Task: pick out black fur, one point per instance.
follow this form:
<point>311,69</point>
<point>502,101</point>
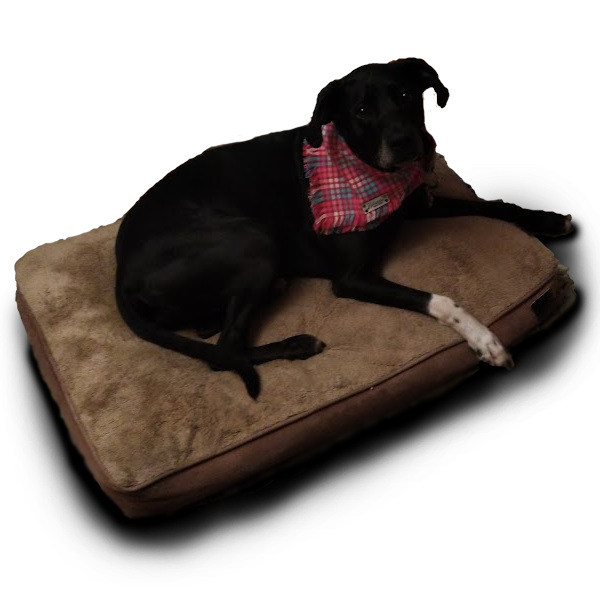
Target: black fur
<point>205,246</point>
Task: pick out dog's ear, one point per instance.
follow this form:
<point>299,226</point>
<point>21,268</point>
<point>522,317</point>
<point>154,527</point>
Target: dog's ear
<point>323,113</point>
<point>420,72</point>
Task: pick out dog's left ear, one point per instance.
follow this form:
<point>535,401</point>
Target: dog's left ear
<point>419,71</point>
<point>323,113</point>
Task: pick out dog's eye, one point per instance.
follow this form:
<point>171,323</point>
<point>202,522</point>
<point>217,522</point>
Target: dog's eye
<point>361,112</point>
<point>405,96</point>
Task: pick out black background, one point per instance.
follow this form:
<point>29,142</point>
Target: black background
<point>499,455</point>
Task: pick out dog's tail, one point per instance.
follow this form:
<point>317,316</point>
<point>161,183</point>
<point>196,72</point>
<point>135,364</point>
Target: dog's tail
<point>211,353</point>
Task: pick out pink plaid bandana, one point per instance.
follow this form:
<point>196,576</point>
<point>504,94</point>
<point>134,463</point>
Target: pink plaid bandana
<point>345,194</point>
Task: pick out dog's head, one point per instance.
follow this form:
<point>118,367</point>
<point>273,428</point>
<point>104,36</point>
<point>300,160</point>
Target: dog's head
<point>378,109</point>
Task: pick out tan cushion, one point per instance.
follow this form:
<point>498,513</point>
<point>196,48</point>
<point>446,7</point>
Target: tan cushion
<point>159,430</point>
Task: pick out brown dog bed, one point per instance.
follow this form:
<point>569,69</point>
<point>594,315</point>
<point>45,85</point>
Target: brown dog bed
<point>160,431</point>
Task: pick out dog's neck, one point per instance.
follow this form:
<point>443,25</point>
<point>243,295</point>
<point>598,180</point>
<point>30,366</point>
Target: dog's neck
<point>346,194</point>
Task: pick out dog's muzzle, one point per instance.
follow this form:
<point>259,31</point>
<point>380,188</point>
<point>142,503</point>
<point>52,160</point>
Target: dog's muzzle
<point>398,149</point>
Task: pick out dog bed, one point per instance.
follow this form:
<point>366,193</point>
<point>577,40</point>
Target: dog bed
<point>160,431</point>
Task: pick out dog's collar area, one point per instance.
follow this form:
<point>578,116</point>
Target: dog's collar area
<point>346,194</point>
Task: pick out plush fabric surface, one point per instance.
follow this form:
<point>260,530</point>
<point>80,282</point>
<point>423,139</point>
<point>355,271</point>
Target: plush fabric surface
<point>142,413</point>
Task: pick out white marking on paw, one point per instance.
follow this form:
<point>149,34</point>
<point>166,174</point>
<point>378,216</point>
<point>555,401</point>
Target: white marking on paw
<point>482,341</point>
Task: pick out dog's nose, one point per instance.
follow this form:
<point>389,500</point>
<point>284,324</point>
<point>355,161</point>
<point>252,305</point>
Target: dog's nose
<point>401,142</point>
<point>403,147</point>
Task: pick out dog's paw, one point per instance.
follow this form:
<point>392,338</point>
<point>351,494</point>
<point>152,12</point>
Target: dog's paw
<point>480,339</point>
<point>488,348</point>
<point>551,224</point>
<point>301,347</point>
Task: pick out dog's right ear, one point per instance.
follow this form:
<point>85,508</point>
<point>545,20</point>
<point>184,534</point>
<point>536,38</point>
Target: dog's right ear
<point>323,113</point>
<point>420,71</point>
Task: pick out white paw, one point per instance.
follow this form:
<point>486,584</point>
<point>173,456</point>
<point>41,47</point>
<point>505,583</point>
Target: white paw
<point>484,343</point>
<point>488,348</point>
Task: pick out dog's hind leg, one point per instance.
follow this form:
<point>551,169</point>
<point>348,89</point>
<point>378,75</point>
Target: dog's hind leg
<point>253,287</point>
<point>297,347</point>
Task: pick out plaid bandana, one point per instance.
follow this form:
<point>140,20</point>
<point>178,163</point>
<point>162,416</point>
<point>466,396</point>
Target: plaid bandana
<point>345,194</point>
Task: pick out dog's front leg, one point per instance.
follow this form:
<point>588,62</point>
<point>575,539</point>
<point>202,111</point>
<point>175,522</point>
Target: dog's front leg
<point>481,340</point>
<point>536,222</point>
<point>376,289</point>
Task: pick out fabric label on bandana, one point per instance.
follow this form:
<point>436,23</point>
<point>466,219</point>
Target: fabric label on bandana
<point>346,194</point>
<point>375,203</point>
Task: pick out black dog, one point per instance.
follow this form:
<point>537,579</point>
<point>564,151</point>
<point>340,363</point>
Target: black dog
<point>206,245</point>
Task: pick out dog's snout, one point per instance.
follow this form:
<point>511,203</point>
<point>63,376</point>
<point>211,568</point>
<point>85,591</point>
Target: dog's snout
<point>403,145</point>
<point>401,141</point>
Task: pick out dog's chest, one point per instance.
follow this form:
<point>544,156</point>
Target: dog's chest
<point>347,195</point>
